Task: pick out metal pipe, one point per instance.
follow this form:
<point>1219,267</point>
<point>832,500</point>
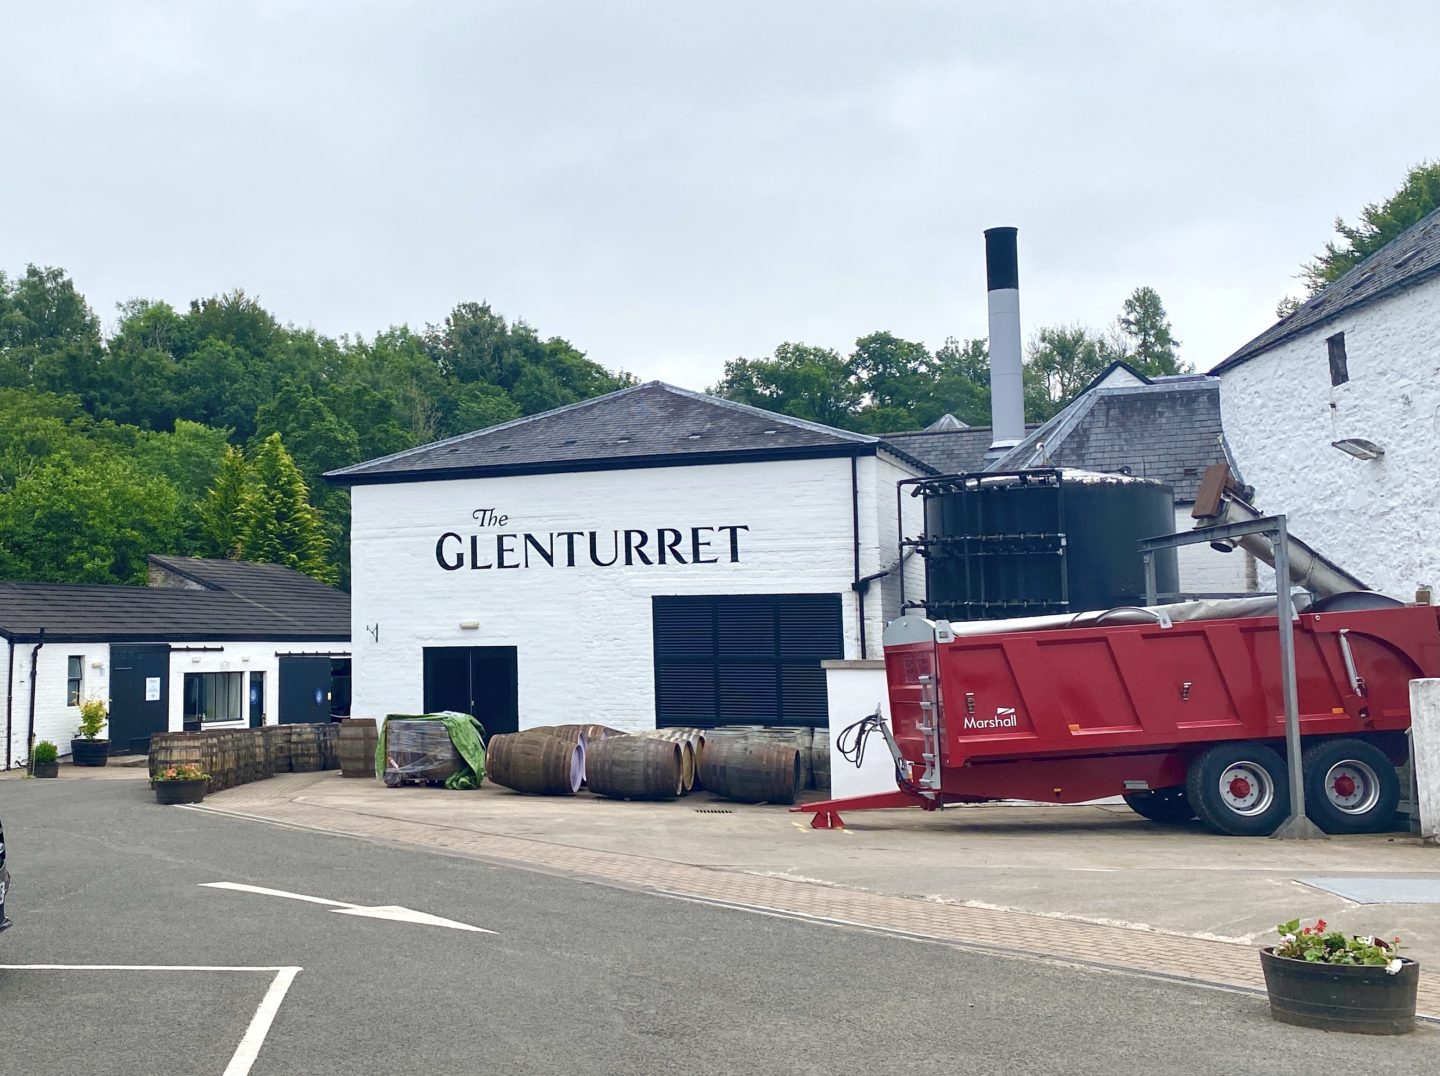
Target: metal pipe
<point>1007,371</point>
<point>34,689</point>
<point>1307,568</point>
<point>855,532</point>
<point>1297,826</point>
<point>9,701</point>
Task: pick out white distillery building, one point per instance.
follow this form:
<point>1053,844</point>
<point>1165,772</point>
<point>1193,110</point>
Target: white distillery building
<point>208,644</point>
<point>650,557</point>
<point>1333,415</point>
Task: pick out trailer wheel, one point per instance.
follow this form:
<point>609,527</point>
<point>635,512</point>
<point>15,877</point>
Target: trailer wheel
<point>1239,788</point>
<point>1350,787</point>
<point>1168,805</point>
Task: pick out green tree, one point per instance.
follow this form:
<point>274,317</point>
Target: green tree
<point>222,511</point>
<point>1061,360</point>
<point>49,337</point>
<point>812,383</point>
<point>93,521</point>
<point>1151,348</point>
<point>1417,198</point>
<point>278,525</point>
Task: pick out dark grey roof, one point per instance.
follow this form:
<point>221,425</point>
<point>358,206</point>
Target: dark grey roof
<point>649,425</point>
<point>1168,431</point>
<point>239,601</point>
<point>947,451</point>
<point>1409,258</point>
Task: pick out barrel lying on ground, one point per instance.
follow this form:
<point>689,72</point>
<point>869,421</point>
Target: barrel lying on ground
<point>751,771</point>
<point>536,761</point>
<point>636,768</point>
<point>693,741</point>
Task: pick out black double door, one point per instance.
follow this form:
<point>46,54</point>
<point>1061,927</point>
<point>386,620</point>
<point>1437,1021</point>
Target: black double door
<point>304,689</point>
<point>139,696</point>
<point>478,680</point>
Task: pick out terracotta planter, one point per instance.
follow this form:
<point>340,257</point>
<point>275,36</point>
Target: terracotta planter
<point>46,769</point>
<point>1365,999</point>
<point>170,793</point>
<point>89,752</point>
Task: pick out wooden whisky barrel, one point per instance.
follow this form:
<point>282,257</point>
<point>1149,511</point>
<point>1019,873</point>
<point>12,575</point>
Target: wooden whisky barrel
<point>751,771</point>
<point>356,747</point>
<point>277,746</point>
<point>535,761</point>
<point>637,768</point>
<point>304,748</point>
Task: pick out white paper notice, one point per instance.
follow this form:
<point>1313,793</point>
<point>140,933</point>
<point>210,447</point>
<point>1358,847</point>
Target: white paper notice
<point>152,689</point>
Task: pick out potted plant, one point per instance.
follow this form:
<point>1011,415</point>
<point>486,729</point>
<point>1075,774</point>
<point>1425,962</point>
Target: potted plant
<point>86,749</point>
<point>45,760</point>
<point>179,784</point>
<point>1323,978</point>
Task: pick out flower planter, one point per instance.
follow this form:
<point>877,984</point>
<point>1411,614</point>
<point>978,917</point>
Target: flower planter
<point>1365,999</point>
<point>46,769</point>
<point>89,752</point>
<point>173,792</point>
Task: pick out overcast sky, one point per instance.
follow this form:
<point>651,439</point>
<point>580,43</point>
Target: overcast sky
<point>670,185</point>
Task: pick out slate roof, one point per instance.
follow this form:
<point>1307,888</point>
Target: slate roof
<point>238,601</point>
<point>649,425</point>
<point>1409,258</point>
<point>946,451</point>
<point>1168,430</point>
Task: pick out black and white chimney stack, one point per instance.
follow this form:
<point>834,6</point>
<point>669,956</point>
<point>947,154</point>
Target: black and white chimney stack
<point>1007,389</point>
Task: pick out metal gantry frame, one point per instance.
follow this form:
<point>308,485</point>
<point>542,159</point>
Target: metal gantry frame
<point>1298,826</point>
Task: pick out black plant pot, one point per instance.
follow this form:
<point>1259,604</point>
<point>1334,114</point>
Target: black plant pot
<point>89,752</point>
<point>1336,997</point>
<point>46,769</point>
<point>170,793</point>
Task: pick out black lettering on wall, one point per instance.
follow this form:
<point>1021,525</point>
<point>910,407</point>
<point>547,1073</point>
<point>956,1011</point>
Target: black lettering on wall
<point>548,552</point>
<point>669,539</point>
<point>635,543</point>
<point>440,553</point>
<point>595,555</point>
<point>502,550</point>
<point>696,545</point>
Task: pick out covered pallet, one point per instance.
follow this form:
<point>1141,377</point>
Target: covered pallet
<point>446,748</point>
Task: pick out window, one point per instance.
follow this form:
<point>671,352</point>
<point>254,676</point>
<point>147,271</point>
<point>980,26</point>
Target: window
<point>1339,370</point>
<point>744,659</point>
<point>74,679</point>
<point>211,697</point>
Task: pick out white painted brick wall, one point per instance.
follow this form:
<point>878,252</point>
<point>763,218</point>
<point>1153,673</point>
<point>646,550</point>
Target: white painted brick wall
<point>1207,571</point>
<point>584,634</point>
<point>1280,412</point>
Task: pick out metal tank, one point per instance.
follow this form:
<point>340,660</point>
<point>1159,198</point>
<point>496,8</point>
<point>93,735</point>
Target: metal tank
<point>1048,540</point>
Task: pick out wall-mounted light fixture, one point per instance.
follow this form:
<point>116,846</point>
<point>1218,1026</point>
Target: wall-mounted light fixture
<point>470,625</point>
<point>1360,448</point>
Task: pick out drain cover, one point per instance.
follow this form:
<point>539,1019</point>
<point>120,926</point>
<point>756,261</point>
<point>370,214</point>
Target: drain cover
<point>1380,890</point>
<point>713,810</point>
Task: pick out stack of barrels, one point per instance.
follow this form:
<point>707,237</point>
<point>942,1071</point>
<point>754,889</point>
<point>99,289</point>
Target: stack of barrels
<point>238,756</point>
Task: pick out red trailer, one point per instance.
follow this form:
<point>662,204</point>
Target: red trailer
<point>1181,717</point>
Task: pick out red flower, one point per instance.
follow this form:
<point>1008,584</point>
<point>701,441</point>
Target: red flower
<point>1319,926</point>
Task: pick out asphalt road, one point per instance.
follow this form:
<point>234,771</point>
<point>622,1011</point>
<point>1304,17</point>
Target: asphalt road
<point>578,977</point>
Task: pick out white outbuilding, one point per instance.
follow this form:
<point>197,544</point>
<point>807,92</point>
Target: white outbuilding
<point>1333,415</point>
<point>208,644</point>
<point>653,557</point>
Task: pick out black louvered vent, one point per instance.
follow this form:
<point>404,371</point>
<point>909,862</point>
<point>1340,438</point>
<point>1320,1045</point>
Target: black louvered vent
<point>744,659</point>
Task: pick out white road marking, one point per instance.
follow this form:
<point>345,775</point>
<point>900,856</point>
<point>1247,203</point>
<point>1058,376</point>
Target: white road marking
<point>384,911</point>
<point>249,1048</point>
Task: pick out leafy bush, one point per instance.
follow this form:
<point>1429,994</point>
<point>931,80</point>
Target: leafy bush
<point>1318,945</point>
<point>45,753</point>
<point>93,715</point>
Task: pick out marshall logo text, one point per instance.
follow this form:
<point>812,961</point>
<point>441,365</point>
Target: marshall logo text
<point>500,549</point>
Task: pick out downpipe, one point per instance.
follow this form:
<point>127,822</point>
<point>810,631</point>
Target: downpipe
<point>34,690</point>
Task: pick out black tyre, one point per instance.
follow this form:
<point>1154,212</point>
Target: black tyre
<point>1168,805</point>
<point>1239,788</point>
<point>1350,787</point>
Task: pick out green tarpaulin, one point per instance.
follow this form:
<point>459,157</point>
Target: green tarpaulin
<point>466,733</point>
